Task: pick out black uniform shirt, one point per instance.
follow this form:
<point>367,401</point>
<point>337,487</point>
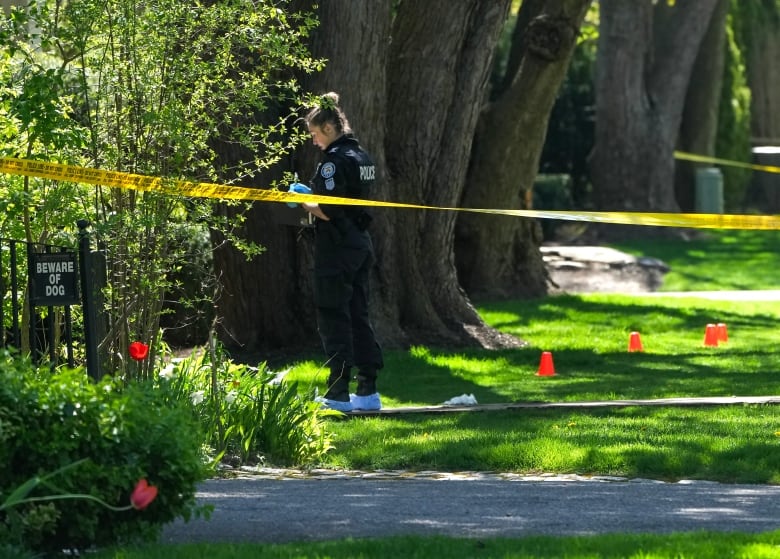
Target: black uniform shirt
<point>346,171</point>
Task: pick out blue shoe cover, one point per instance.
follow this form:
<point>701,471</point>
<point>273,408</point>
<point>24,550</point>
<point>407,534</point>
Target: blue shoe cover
<point>334,404</point>
<point>367,403</point>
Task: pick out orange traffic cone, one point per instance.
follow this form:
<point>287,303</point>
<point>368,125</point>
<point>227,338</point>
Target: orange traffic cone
<point>711,336</point>
<point>723,333</point>
<point>634,342</point>
<point>546,368</point>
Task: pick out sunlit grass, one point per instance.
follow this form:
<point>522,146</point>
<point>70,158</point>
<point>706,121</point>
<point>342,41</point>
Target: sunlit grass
<point>715,260</point>
<point>588,337</point>
<point>730,444</point>
<point>698,545</point>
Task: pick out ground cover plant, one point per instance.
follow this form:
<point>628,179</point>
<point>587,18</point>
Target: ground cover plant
<point>72,450</point>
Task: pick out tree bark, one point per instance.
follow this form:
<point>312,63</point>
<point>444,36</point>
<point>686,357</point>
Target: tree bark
<point>764,80</point>
<point>262,303</point>
<point>414,103</point>
<point>499,256</point>
<point>643,72</point>
<point>699,126</point>
<point>357,70</point>
<point>266,303</point>
<point>437,81</point>
<point>641,81</point>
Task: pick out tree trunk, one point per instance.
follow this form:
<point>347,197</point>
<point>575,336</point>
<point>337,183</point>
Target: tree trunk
<point>764,80</point>
<point>699,127</point>
<point>499,256</point>
<point>266,303</point>
<point>356,69</point>
<point>414,104</point>
<point>437,81</point>
<point>262,302</point>
<point>643,72</point>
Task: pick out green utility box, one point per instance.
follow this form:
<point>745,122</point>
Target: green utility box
<point>709,190</point>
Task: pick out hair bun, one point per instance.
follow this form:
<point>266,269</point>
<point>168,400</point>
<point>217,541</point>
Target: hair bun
<point>331,98</point>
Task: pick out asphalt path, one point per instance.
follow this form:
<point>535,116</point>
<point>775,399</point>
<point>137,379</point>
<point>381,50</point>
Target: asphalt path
<point>285,510</point>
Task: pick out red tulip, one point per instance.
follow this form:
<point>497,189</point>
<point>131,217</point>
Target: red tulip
<point>138,351</point>
<point>143,494</point>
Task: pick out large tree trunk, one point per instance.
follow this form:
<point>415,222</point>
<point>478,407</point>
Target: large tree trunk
<point>763,73</point>
<point>699,127</point>
<point>262,302</point>
<point>356,70</point>
<point>425,90</point>
<point>499,256</point>
<point>266,303</point>
<point>764,80</point>
<point>643,72</point>
<point>437,79</point>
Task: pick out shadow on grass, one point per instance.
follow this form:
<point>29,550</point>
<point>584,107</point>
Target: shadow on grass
<point>668,443</point>
<point>592,362</point>
<point>718,260</point>
<point>582,375</point>
<point>626,314</point>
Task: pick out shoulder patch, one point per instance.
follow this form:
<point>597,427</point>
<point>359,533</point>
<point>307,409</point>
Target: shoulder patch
<point>327,170</point>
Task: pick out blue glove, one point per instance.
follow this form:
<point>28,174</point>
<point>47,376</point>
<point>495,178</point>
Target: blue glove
<point>300,189</point>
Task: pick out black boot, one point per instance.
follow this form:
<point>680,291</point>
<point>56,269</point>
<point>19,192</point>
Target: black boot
<point>338,384</point>
<point>366,382</point>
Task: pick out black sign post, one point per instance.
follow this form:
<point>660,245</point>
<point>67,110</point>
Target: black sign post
<point>90,295</point>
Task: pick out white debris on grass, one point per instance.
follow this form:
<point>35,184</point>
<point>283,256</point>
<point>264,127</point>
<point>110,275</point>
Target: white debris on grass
<point>462,400</point>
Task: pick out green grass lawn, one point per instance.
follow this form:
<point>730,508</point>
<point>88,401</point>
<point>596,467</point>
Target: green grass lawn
<point>588,338</point>
<point>703,545</point>
<point>715,260</point>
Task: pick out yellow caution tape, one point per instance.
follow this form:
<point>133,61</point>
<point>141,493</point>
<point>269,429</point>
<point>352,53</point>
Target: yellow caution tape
<point>71,173</point>
<point>728,162</point>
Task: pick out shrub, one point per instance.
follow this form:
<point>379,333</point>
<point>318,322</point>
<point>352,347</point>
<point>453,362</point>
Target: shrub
<point>116,434</point>
<point>249,414</point>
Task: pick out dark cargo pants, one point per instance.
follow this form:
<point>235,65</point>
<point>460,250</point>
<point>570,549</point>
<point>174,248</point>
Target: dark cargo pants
<point>343,260</point>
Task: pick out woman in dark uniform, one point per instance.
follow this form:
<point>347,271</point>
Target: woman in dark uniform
<point>343,256</point>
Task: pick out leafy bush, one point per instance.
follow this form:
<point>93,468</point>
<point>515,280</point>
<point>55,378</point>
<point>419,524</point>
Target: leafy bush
<point>107,84</point>
<point>116,434</point>
<point>249,414</point>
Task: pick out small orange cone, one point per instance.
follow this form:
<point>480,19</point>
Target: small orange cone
<point>711,336</point>
<point>546,368</point>
<point>634,342</point>
<point>723,333</point>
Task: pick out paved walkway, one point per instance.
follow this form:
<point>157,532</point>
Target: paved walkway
<point>267,505</point>
<point>271,507</point>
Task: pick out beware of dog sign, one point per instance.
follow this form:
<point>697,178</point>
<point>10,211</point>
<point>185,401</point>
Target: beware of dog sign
<point>54,279</point>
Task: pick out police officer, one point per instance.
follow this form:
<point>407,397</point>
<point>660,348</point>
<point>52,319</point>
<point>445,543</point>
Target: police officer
<point>343,256</point>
